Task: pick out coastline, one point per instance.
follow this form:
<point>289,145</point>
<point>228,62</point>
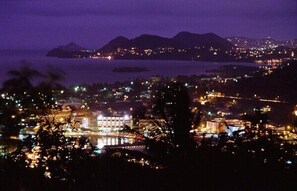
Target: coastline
<point>90,70</point>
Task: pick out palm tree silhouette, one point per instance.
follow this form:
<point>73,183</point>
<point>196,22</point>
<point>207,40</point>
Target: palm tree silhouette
<point>21,79</point>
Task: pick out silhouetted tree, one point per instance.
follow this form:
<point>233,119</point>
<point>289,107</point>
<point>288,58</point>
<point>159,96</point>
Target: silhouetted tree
<point>173,105</point>
<point>258,119</point>
<point>138,113</point>
<point>51,81</point>
<point>50,152</point>
<point>20,100</point>
<point>17,99</point>
<point>21,80</point>
<point>9,117</point>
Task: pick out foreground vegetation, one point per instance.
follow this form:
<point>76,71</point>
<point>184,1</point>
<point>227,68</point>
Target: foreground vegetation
<point>213,165</point>
<point>255,160</point>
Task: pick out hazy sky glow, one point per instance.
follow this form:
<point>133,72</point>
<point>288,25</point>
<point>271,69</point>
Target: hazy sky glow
<point>47,24</point>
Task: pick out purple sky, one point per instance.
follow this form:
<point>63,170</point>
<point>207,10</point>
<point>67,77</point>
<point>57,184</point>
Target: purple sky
<point>47,24</point>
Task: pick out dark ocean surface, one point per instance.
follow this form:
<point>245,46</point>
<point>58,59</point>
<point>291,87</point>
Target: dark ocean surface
<point>78,71</point>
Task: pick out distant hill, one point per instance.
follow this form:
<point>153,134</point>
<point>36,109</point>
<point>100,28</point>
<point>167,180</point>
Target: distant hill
<point>71,47</point>
<point>152,41</point>
<point>183,46</point>
<point>280,84</point>
<point>190,40</point>
<point>120,41</point>
<point>68,51</point>
<point>181,40</point>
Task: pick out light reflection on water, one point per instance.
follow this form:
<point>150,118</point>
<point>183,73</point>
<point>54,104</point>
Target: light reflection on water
<point>99,142</point>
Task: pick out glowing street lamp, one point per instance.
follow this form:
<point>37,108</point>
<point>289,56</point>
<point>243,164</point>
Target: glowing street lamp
<point>295,111</point>
<point>295,118</point>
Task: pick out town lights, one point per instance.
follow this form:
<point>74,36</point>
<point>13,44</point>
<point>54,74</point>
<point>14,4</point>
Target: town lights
<point>126,117</point>
<point>295,111</point>
<point>295,118</point>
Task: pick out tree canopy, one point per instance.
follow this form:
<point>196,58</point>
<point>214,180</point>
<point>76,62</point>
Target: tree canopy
<point>22,99</point>
<point>173,105</point>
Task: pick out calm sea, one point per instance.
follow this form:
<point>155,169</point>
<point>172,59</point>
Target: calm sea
<point>80,71</point>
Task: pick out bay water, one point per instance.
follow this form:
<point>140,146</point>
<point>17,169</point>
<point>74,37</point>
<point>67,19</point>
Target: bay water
<point>89,70</point>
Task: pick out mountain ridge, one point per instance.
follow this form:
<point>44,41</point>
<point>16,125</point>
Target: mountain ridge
<point>67,51</point>
<point>184,46</point>
<point>70,47</point>
<point>182,39</point>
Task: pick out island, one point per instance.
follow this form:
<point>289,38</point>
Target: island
<point>130,69</point>
<point>70,50</point>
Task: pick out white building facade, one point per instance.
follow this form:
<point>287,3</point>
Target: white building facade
<point>113,122</point>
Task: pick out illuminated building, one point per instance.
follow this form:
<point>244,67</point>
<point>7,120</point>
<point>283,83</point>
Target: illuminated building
<point>113,123</point>
<point>228,126</point>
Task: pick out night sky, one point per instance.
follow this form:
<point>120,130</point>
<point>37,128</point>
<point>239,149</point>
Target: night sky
<point>47,24</point>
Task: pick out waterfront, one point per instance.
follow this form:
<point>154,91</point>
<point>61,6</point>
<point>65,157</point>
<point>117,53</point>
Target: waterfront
<point>100,141</point>
<point>88,71</point>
